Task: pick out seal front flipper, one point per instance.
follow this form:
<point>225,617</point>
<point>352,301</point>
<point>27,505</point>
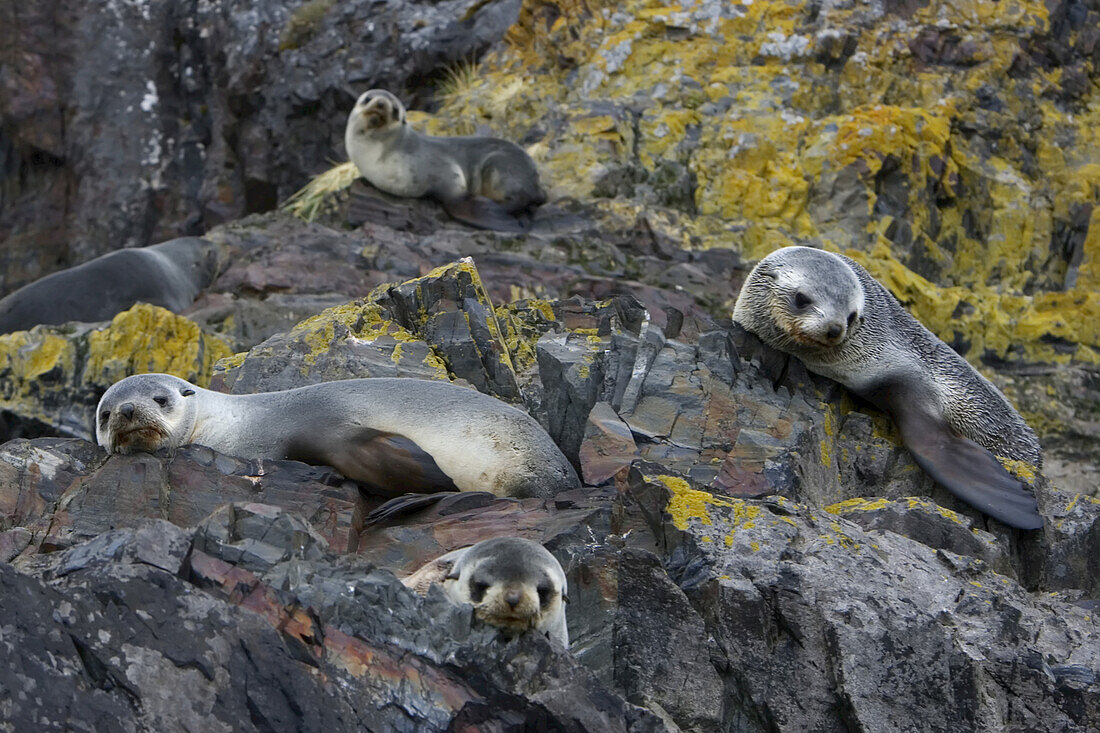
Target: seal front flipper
<point>434,572</point>
<point>966,469</point>
<point>384,463</point>
<point>483,213</point>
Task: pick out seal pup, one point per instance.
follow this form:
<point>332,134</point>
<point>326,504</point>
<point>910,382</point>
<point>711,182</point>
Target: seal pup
<point>512,583</point>
<point>171,275</point>
<point>392,436</point>
<point>829,312</point>
<point>485,182</point>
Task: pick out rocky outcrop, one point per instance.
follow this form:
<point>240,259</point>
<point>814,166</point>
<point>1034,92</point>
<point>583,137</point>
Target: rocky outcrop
<point>753,556</point>
<point>158,628</point>
<point>215,109</point>
<point>753,549</point>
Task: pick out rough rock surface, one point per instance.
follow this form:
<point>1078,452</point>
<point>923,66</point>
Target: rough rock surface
<point>693,605</point>
<point>216,109</point>
<point>753,550</point>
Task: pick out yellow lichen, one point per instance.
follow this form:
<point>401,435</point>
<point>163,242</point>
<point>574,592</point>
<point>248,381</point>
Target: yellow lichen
<point>686,503</point>
<point>151,339</point>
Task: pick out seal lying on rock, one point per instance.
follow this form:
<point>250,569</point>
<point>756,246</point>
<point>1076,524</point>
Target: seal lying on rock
<point>512,583</point>
<point>390,435</point>
<point>171,275</point>
<point>830,313</point>
<point>481,181</point>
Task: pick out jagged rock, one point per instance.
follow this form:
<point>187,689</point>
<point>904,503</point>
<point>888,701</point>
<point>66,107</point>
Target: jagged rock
<point>156,633</point>
<point>817,629</point>
<point>1067,554</point>
<point>924,521</point>
<point>67,491</point>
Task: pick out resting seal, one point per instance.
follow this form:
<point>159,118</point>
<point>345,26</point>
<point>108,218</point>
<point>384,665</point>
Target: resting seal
<point>830,313</point>
<point>170,275</point>
<point>512,583</point>
<point>390,435</point>
<point>482,181</point>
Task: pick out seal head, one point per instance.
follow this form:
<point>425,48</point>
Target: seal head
<point>513,584</point>
<point>145,413</point>
<point>377,111</point>
<point>802,303</point>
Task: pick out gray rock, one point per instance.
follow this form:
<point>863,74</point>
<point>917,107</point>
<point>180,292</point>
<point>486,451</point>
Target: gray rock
<point>217,110</point>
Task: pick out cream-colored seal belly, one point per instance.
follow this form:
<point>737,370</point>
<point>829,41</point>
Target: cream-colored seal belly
<point>512,583</point>
<point>840,322</point>
<point>391,435</point>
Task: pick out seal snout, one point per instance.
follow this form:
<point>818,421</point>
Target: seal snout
<point>127,410</point>
<point>512,597</point>
<point>377,111</point>
<point>835,333</point>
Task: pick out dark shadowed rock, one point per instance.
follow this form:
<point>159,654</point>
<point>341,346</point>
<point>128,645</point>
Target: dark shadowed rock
<point>216,110</point>
<point>151,632</point>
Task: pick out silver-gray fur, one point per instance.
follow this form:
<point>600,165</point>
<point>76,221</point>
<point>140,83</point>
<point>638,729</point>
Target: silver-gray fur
<point>171,275</point>
<point>512,583</point>
<point>393,435</point>
<point>482,181</point>
<point>840,322</point>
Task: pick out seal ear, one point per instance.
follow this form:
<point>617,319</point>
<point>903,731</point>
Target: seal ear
<point>186,391</point>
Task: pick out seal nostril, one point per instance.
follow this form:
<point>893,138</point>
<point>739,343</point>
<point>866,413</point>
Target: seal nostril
<point>127,410</point>
<point>833,332</point>
<point>513,598</point>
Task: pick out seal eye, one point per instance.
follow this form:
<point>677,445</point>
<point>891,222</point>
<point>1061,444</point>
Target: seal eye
<point>544,595</point>
<point>104,415</point>
<point>801,300</point>
<point>477,590</point>
<point>187,392</point>
<point>161,400</point>
<point>851,318</point>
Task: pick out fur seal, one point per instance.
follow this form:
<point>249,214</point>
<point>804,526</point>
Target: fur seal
<point>390,435</point>
<point>485,182</point>
<point>829,312</point>
<point>171,275</point>
<point>512,583</point>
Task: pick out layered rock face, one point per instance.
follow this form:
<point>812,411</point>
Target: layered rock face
<point>752,549</point>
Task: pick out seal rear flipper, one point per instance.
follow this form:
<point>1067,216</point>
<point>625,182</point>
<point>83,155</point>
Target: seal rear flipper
<point>381,462</point>
<point>967,470</point>
<point>483,213</point>
<point>446,502</point>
